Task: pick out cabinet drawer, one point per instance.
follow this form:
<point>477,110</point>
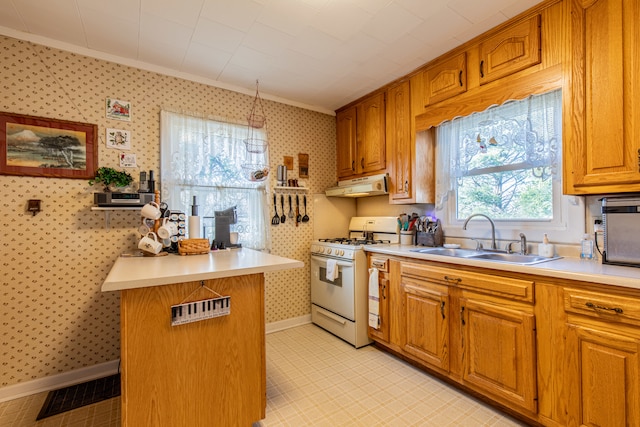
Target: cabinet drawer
<point>521,290</point>
<point>603,306</point>
<point>382,264</point>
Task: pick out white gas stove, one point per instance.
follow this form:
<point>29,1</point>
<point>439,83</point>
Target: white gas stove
<point>339,277</point>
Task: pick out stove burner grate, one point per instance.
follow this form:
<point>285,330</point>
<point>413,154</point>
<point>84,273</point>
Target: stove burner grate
<point>353,241</point>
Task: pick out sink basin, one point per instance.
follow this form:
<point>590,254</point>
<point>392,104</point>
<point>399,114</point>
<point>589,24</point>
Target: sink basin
<point>486,255</point>
<point>460,253</point>
<point>513,258</point>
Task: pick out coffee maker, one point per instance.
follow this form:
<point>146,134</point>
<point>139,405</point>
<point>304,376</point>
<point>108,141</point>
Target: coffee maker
<point>222,222</point>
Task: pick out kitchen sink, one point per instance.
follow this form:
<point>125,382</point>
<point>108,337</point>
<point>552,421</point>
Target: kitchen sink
<point>513,258</point>
<point>510,258</point>
<point>460,253</point>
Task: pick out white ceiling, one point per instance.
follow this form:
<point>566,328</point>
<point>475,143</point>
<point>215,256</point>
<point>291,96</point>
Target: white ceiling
<point>319,54</point>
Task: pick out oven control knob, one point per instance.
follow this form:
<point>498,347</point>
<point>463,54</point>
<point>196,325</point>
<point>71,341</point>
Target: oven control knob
<point>328,251</point>
<point>320,250</point>
<point>341,252</point>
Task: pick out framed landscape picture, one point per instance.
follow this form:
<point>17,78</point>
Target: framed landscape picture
<point>38,146</point>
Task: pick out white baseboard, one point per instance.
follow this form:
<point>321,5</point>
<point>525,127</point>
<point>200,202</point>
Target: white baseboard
<point>55,382</point>
<point>89,373</point>
<point>287,323</point>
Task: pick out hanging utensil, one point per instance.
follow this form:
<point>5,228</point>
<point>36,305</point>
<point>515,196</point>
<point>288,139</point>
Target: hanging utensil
<point>283,218</point>
<point>305,218</point>
<point>298,216</point>
<point>276,219</point>
<point>290,208</point>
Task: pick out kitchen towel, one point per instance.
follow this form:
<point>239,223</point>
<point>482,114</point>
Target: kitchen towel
<point>332,270</point>
<point>374,299</point>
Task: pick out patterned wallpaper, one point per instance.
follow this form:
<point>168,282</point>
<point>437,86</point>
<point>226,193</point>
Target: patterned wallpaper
<point>53,316</point>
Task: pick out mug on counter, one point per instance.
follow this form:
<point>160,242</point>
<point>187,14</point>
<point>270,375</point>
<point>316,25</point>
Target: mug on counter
<point>233,237</point>
<point>167,229</point>
<point>151,210</point>
<point>150,245</point>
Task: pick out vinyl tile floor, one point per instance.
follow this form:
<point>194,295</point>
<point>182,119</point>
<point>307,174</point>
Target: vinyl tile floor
<point>315,379</point>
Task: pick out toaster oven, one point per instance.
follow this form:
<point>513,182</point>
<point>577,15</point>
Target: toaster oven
<point>621,221</point>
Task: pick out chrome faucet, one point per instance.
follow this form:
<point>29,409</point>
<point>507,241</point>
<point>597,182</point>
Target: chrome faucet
<point>493,228</point>
<point>523,244</point>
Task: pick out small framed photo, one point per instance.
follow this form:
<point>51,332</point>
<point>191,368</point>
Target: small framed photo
<point>118,109</point>
<point>303,165</point>
<point>128,160</point>
<point>119,139</point>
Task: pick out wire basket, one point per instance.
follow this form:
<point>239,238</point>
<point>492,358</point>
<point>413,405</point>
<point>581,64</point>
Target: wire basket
<point>255,172</point>
<point>256,121</point>
<point>256,145</point>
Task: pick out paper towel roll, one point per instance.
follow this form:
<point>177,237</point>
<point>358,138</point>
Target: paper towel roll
<point>194,227</point>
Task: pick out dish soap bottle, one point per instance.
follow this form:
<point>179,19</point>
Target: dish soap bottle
<point>586,247</point>
<point>545,248</point>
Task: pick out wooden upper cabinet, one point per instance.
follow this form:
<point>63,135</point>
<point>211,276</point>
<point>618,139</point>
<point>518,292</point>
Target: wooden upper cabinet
<point>602,129</point>
<point>371,150</point>
<point>360,138</point>
<point>513,49</point>
<point>445,79</point>
<point>346,142</point>
<point>399,142</point>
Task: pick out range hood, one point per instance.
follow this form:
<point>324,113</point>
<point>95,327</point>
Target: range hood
<point>373,185</point>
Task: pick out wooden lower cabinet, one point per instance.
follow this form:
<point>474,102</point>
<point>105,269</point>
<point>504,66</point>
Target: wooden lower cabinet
<point>210,372</point>
<point>603,367</point>
<point>425,314</point>
<point>382,331</point>
<point>499,354</point>
<point>555,352</point>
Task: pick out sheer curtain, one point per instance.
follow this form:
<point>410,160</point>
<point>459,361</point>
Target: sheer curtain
<point>203,157</point>
<point>527,131</point>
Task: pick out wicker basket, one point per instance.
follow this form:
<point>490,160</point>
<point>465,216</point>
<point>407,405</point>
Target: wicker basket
<point>193,246</point>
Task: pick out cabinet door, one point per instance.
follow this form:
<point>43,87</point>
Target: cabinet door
<point>499,351</point>
<point>346,142</point>
<point>382,331</point>
<point>604,140</point>
<point>426,323</point>
<point>446,79</point>
<point>371,150</point>
<point>515,48</point>
<point>399,141</point>
<point>603,369</point>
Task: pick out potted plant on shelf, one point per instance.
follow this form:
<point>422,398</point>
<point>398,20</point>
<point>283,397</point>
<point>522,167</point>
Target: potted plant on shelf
<point>110,177</point>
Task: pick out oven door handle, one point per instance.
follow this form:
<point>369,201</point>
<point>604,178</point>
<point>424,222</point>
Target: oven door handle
<point>323,260</point>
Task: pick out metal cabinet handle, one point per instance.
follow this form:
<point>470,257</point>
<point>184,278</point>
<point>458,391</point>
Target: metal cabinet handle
<point>460,78</point>
<point>353,165</point>
<point>362,163</point>
<point>601,307</point>
<point>462,316</point>
<point>384,287</point>
<point>377,264</point>
<point>482,69</point>
<point>638,159</point>
<point>442,309</point>
<point>406,186</point>
<point>454,280</point>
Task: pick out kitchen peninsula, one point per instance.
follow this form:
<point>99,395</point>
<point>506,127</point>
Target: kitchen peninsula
<point>206,372</point>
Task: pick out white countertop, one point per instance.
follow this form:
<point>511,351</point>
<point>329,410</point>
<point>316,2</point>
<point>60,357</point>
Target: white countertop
<point>564,268</point>
<point>140,272</point>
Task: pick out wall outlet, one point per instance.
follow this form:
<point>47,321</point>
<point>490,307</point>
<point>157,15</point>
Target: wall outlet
<point>597,225</point>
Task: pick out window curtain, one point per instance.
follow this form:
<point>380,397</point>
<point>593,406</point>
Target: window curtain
<point>527,131</point>
<point>204,157</point>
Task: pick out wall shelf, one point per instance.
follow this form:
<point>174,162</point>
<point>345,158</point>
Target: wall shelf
<point>107,212</point>
<point>280,188</point>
